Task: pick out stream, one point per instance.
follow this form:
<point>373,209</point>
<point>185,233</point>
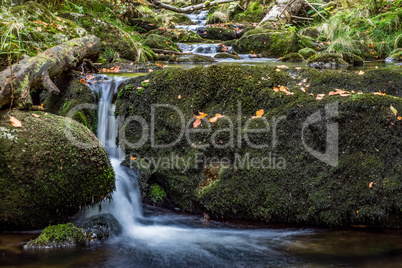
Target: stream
<point>154,237</point>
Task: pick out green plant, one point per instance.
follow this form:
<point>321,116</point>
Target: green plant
<point>140,91</point>
<point>156,193</point>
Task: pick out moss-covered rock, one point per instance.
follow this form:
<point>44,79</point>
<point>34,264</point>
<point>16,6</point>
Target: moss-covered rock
<point>226,56</point>
<point>307,52</point>
<point>222,33</point>
<point>326,60</point>
<point>313,32</point>
<point>292,57</point>
<point>54,236</point>
<point>100,227</point>
<point>352,59</point>
<point>160,42</point>
<point>177,35</point>
<point>272,44</point>
<point>49,168</point>
<point>226,177</point>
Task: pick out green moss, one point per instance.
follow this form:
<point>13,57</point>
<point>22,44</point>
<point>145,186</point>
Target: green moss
<point>160,42</point>
<point>307,190</point>
<point>307,52</point>
<point>156,193</point>
<point>292,57</point>
<point>59,236</point>
<point>271,44</point>
<point>44,176</point>
<point>395,55</point>
<point>191,58</point>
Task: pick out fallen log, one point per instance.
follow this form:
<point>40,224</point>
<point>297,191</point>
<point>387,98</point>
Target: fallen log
<point>282,13</point>
<point>207,4</point>
<point>17,81</point>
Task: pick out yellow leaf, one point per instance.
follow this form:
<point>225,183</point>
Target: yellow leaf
<point>146,81</point>
<point>276,89</point>
<point>278,70</point>
<point>39,29</point>
<point>393,110</point>
<point>15,122</point>
<point>36,115</point>
<point>201,116</point>
<point>360,73</point>
<point>371,184</point>
<point>179,97</point>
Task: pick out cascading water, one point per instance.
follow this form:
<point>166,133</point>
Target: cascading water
<point>199,19</point>
<point>174,240</point>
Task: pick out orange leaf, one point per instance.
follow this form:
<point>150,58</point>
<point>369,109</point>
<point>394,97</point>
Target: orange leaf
<point>259,113</point>
<point>15,122</point>
<point>371,184</point>
<point>42,105</point>
<point>276,89</point>
<point>399,117</point>
<point>196,123</point>
<point>379,93</point>
<point>179,97</point>
<point>35,115</point>
<point>213,119</point>
<point>133,158</point>
<point>83,81</point>
<point>201,116</point>
<point>303,89</point>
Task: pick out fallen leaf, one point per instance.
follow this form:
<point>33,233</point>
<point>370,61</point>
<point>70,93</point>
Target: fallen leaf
<point>133,158</point>
<point>298,68</point>
<point>15,122</point>
<point>299,84</point>
<point>278,70</point>
<point>42,105</point>
<point>379,93</point>
<point>399,117</point>
<point>201,116</point>
<point>197,122</point>
<point>57,18</point>
<point>371,184</point>
<point>303,89</point>
<point>360,73</point>
<point>36,115</point>
<point>39,29</point>
<point>282,67</point>
<point>146,81</point>
<point>276,89</point>
<point>308,85</point>
<point>320,96</point>
<point>83,81</point>
<point>150,70</point>
<point>304,80</point>
<point>132,63</point>
<point>179,97</point>
<point>139,88</point>
<point>393,110</point>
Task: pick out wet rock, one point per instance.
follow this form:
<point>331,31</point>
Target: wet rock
<point>307,52</point>
<point>326,60</point>
<point>395,55</point>
<point>100,227</point>
<point>226,56</point>
<point>191,58</point>
<point>51,168</point>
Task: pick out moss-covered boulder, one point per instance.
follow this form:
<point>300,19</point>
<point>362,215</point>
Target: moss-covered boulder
<point>307,52</point>
<point>226,56</point>
<point>395,55</point>
<point>49,168</point>
<point>292,57</point>
<point>177,35</point>
<point>160,42</point>
<point>326,60</point>
<point>272,44</point>
<point>217,17</point>
<point>276,170</point>
<point>55,236</point>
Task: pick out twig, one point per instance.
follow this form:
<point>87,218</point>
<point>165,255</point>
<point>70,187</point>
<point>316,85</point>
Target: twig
<point>301,18</point>
<point>288,4</point>
<point>315,10</point>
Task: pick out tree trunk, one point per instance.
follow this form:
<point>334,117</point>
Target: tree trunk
<point>282,13</point>
<point>16,81</point>
<point>191,8</point>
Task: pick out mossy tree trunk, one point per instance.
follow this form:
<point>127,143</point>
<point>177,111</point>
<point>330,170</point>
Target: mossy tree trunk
<point>17,81</point>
